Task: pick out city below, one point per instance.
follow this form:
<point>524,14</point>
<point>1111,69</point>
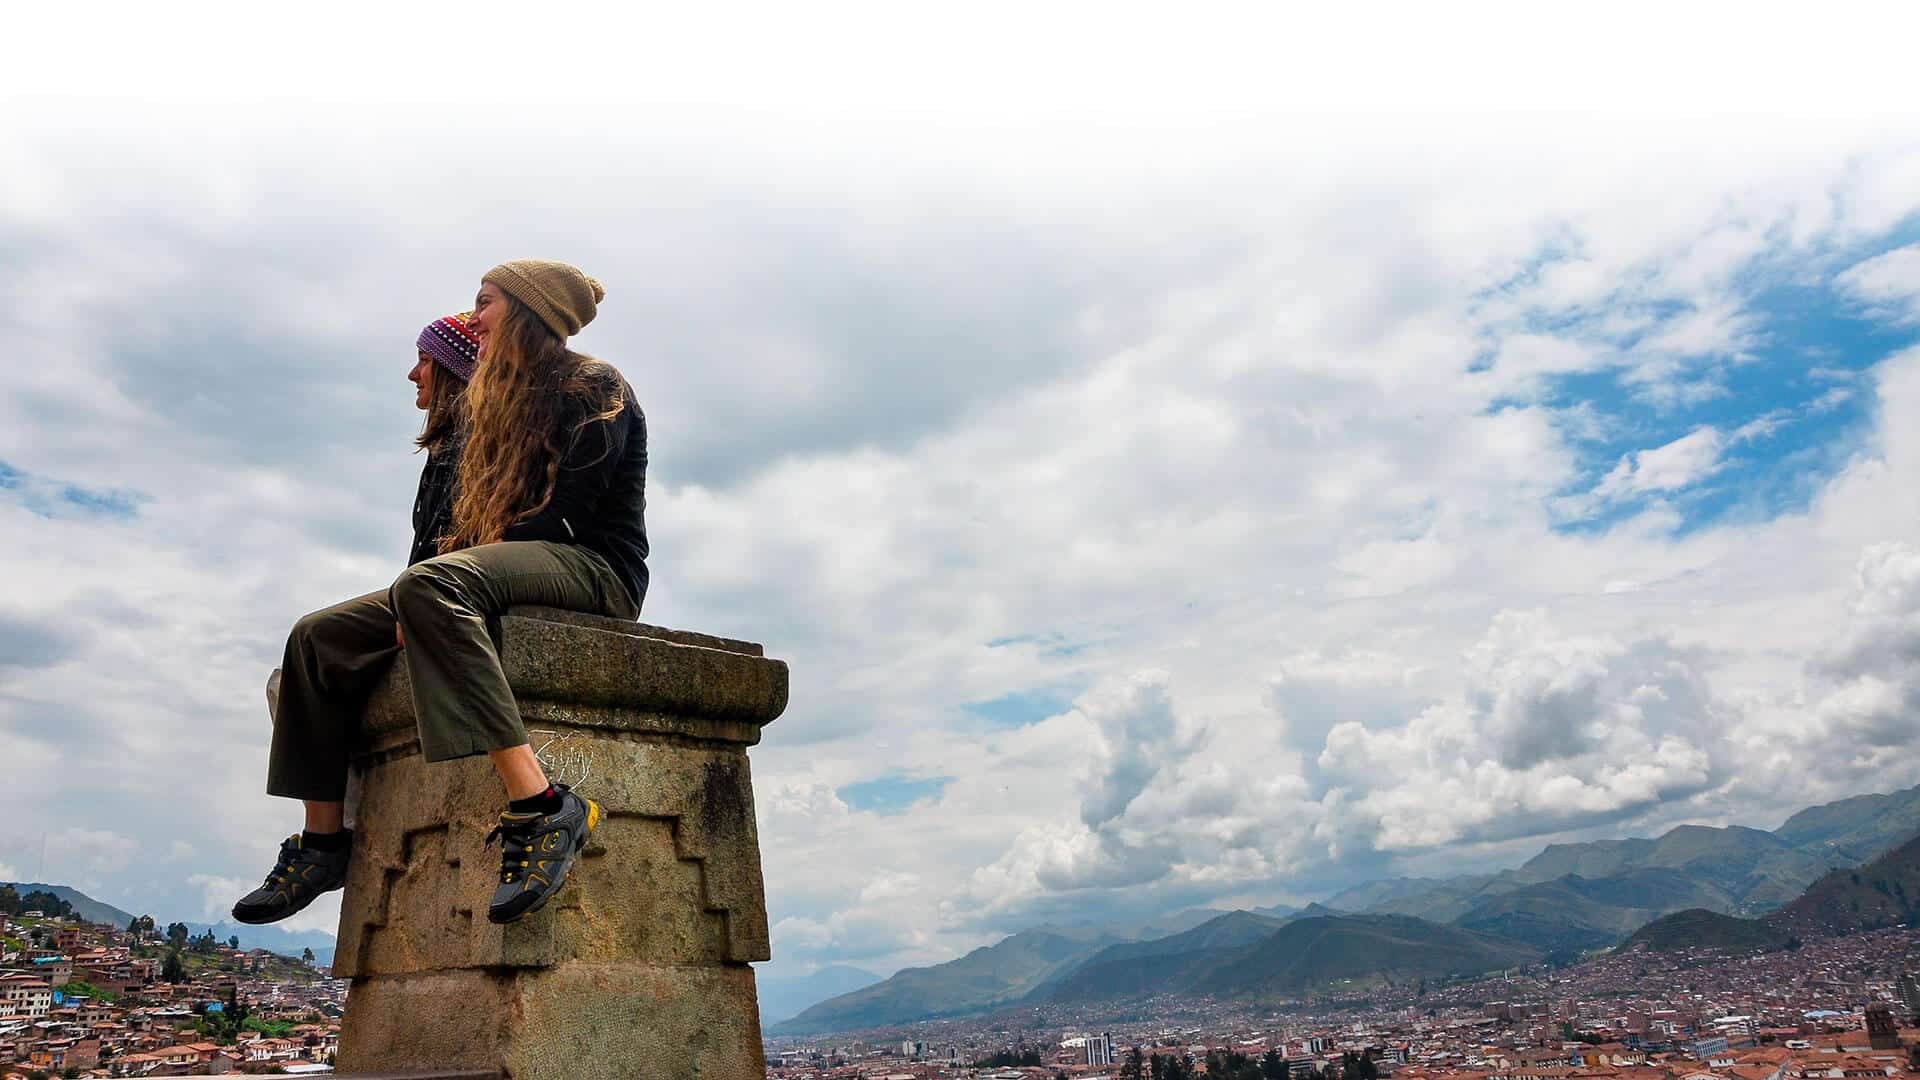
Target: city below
<point>88,1000</point>
<point>1638,1014</point>
<point>1707,953</point>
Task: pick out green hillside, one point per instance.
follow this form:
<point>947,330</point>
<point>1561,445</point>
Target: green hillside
<point>1322,953</point>
<point>1450,899</point>
<point>1595,859</point>
<point>1885,892</point>
<point>1142,967</point>
<point>982,979</point>
<point>1757,870</point>
<point>1574,913</point>
<point>83,905</point>
<point>1701,929</point>
<point>1370,895</point>
<point>1855,830</point>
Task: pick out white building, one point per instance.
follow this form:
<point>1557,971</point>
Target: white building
<point>31,995</point>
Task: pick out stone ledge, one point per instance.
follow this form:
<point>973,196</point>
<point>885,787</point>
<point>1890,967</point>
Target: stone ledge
<point>591,671</point>
<point>637,629</point>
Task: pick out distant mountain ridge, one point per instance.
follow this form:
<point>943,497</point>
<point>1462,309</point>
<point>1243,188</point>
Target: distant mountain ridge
<point>1883,893</point>
<point>986,977</point>
<point>1314,952</point>
<point>1568,898</point>
<point>1133,967</point>
<point>1236,954</point>
<point>1241,955</point>
<point>1590,895</point>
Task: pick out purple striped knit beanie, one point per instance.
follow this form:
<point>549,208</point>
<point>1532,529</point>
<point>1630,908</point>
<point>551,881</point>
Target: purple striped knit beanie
<point>450,341</point>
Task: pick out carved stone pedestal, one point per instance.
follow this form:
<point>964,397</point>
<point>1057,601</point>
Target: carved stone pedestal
<point>639,967</point>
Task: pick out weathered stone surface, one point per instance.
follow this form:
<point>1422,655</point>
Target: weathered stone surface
<point>639,967</point>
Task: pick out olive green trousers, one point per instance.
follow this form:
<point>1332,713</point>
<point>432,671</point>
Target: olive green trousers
<point>444,607</point>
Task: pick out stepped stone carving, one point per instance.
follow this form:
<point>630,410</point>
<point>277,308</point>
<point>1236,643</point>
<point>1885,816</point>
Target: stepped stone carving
<point>639,966</point>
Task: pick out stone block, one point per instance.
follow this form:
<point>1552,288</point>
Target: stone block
<point>640,965</point>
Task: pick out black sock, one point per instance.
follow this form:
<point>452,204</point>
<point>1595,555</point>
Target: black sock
<point>326,841</point>
<point>544,803</point>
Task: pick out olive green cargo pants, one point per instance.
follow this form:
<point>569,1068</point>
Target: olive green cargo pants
<point>460,695</point>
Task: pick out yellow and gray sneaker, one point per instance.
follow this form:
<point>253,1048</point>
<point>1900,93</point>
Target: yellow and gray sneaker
<point>537,850</point>
<point>298,878</point>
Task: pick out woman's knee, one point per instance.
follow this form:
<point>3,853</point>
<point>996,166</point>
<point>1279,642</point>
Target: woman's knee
<point>426,587</point>
<point>308,629</point>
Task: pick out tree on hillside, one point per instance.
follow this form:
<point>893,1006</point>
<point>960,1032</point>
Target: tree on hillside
<point>9,901</point>
<point>1170,1067</point>
<point>1135,1067</point>
<point>306,956</point>
<point>233,942</point>
<point>1273,1066</point>
<point>1356,1066</point>
<point>47,904</point>
<point>1231,1065</point>
<point>177,935</point>
<point>172,970</point>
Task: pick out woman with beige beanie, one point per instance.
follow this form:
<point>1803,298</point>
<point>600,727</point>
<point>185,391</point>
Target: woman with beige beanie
<point>551,511</point>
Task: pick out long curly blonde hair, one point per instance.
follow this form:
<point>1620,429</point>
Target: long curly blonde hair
<point>526,407</point>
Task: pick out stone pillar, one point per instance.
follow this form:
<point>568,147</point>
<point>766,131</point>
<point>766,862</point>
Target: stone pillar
<point>639,966</point>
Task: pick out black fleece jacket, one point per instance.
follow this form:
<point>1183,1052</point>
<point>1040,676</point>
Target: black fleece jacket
<point>433,504</point>
<point>600,496</point>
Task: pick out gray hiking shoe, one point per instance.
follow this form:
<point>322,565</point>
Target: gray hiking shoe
<point>297,879</point>
<point>537,850</point>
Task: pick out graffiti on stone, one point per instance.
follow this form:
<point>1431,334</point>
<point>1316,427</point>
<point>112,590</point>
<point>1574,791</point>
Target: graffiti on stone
<point>565,762</point>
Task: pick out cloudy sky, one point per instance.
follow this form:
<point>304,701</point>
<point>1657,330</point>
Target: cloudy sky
<point>1198,463</point>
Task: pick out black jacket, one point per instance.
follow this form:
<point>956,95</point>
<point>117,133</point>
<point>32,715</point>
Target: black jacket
<point>600,496</point>
<point>433,504</point>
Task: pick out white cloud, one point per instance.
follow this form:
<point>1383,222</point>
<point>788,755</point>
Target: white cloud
<point>89,853</point>
<point>1889,282</point>
<point>1681,463</point>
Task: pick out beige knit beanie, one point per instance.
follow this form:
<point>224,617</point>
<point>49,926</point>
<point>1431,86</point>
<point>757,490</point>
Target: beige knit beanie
<point>563,297</point>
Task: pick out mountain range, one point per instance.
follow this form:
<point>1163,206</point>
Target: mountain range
<point>1883,893</point>
<point>1567,899</point>
<point>1590,895</point>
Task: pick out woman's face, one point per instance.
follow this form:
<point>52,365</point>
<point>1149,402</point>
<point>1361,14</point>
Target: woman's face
<point>489,310</point>
<point>422,378</point>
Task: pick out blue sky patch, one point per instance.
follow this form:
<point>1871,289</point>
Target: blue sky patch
<point>52,499</point>
<point>1051,644</point>
<point>1783,415</point>
<point>1021,708</point>
<point>892,794</point>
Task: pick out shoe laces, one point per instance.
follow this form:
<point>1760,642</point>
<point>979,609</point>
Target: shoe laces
<point>516,849</point>
<point>283,867</point>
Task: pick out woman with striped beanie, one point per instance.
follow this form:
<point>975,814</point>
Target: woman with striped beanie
<point>449,350</point>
